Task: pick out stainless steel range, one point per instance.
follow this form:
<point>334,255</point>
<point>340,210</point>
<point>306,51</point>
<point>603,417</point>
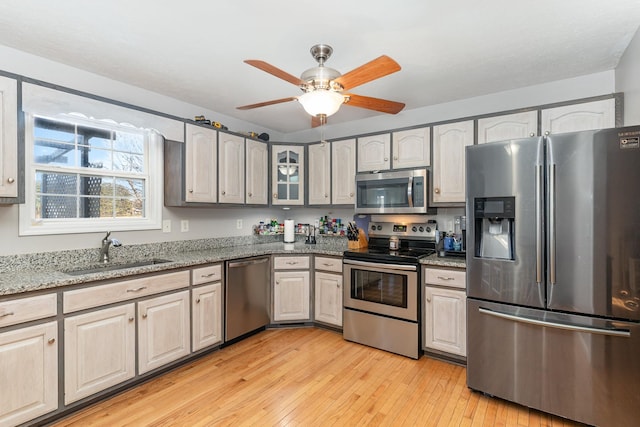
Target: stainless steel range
<point>382,292</point>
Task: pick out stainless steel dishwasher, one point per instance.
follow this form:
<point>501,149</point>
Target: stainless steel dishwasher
<point>247,296</point>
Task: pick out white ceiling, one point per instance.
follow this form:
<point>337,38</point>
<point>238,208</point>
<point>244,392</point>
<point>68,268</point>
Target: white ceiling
<point>193,50</point>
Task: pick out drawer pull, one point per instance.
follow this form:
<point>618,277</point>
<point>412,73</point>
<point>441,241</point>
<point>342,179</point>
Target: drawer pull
<point>141,288</point>
<point>9,313</point>
<point>291,262</point>
<point>51,340</point>
<point>328,264</point>
<point>205,276</point>
<point>446,278</point>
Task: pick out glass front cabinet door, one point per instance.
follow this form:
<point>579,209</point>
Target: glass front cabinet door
<point>287,175</point>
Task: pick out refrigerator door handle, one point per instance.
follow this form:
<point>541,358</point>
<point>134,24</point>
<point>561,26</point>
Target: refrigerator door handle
<point>575,328</point>
<point>539,214</point>
<point>552,224</point>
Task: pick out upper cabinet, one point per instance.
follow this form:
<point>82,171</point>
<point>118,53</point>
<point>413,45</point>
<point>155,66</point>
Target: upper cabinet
<point>449,143</point>
<point>374,152</point>
<point>508,126</point>
<point>343,175</point>
<point>257,171</point>
<point>411,148</point>
<point>577,117</point>
<point>230,168</point>
<point>287,166</point>
<point>200,164</point>
<point>8,139</point>
<point>319,172</point>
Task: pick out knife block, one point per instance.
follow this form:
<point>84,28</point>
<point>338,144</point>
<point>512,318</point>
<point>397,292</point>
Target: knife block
<point>360,243</point>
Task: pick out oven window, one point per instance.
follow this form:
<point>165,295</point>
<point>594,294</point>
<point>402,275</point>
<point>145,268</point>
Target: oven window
<point>382,288</point>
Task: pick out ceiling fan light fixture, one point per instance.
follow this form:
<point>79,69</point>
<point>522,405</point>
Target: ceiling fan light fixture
<point>321,101</point>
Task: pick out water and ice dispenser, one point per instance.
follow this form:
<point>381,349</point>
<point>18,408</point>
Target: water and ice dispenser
<point>494,220</point>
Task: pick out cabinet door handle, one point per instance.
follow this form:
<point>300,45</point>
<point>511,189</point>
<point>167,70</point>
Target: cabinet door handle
<point>445,278</point>
<point>224,192</point>
<point>436,190</point>
<point>190,191</point>
<point>144,316</point>
<point>141,288</point>
<point>395,157</point>
<point>326,195</point>
<point>198,301</point>
<point>11,180</point>
<point>350,194</point>
<point>275,195</point>
<point>386,159</point>
<point>8,313</point>
<point>277,282</point>
<point>428,299</point>
<point>51,340</point>
<point>250,194</point>
<point>131,319</point>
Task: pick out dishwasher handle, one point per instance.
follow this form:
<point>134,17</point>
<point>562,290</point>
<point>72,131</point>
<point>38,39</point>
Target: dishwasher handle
<point>248,262</point>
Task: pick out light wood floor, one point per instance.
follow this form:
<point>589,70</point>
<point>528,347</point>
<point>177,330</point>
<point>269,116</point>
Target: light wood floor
<point>308,377</point>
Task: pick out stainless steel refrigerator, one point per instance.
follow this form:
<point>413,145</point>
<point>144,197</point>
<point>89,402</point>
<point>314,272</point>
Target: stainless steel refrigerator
<point>553,274</point>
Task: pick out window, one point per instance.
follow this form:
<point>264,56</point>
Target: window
<point>86,175</point>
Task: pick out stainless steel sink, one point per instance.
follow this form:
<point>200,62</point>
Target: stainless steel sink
<point>99,268</point>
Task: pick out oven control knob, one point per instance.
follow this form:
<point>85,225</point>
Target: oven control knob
<point>414,228</point>
<point>428,229</point>
<point>373,227</point>
<point>421,229</point>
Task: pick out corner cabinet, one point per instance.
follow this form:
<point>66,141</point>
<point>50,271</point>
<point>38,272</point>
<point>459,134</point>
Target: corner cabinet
<point>257,173</point>
<point>231,168</point>
<point>8,140</point>
<point>449,143</point>
<point>288,175</point>
<point>291,289</point>
<point>328,290</point>
<point>319,174</point>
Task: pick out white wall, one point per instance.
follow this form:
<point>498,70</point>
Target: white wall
<point>221,222</point>
<point>628,81</point>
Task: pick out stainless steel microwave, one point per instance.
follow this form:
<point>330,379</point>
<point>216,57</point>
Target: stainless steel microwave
<point>399,192</point>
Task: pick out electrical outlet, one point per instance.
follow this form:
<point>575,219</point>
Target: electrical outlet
<point>184,225</point>
<point>166,226</point>
<point>239,224</point>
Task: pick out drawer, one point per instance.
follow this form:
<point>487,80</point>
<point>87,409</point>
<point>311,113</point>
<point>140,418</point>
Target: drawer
<point>442,277</point>
<point>291,262</point>
<point>329,264</point>
<point>96,296</point>
<point>26,309</point>
<point>211,273</point>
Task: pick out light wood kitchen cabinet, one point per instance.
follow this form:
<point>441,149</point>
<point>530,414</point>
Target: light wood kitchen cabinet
<point>508,126</point>
<point>445,311</point>
<point>374,152</point>
<point>411,148</point>
<point>163,330</point>
<point>29,373</point>
<point>328,290</point>
<point>206,307</point>
<point>576,117</point>
<point>99,351</point>
<point>8,139</point>
<point>257,173</point>
<point>319,172</point>
<point>230,168</point>
<point>201,164</point>
<point>449,143</point>
<point>288,174</point>
<point>343,173</point>
<point>291,288</point>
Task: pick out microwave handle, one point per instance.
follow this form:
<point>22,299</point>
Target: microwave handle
<point>410,191</point>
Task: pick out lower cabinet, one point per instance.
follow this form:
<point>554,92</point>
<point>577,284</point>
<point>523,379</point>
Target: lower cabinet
<point>163,330</point>
<point>328,290</point>
<point>206,303</point>
<point>99,351</point>
<point>28,373</point>
<point>291,295</point>
<point>445,311</point>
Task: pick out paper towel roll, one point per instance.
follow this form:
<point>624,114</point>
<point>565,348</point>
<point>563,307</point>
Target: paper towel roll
<point>289,231</point>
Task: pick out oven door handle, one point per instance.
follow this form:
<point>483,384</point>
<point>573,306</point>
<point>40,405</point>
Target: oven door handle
<point>378,265</point>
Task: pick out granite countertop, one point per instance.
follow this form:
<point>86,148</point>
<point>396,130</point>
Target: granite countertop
<point>23,279</point>
<point>435,260</point>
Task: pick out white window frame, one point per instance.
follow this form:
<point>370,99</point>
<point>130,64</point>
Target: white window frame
<point>153,177</point>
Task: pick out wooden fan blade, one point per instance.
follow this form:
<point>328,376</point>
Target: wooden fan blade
<point>377,104</point>
<point>263,104</point>
<point>264,66</point>
<point>372,70</point>
<point>318,120</point>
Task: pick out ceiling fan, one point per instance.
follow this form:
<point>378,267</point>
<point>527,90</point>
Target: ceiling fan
<point>323,86</point>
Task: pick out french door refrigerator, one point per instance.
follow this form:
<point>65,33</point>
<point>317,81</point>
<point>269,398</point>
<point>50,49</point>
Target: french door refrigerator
<point>553,273</point>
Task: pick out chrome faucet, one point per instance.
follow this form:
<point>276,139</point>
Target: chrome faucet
<point>104,249</point>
